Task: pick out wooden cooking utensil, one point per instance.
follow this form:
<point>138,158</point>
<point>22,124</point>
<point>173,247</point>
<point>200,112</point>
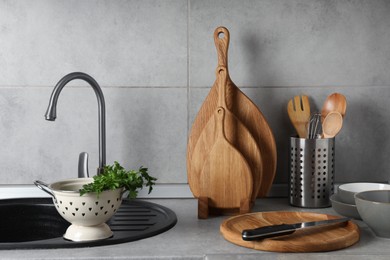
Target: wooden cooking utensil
<point>316,239</point>
<point>298,110</point>
<point>334,102</point>
<point>225,184</point>
<point>244,109</point>
<point>332,124</point>
<point>236,133</point>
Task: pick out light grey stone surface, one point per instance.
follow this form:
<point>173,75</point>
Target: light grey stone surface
<point>156,62</point>
<point>192,238</point>
<point>146,129</point>
<point>125,43</point>
<point>293,43</point>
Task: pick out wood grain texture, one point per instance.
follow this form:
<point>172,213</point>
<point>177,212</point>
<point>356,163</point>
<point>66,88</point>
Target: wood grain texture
<point>334,102</point>
<point>245,110</point>
<point>298,110</point>
<point>226,184</point>
<point>315,239</point>
<point>235,132</point>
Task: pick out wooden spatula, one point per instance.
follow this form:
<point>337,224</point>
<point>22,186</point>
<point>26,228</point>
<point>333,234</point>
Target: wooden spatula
<point>226,178</point>
<point>298,110</point>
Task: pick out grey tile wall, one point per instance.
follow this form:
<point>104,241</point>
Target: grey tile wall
<point>155,61</point>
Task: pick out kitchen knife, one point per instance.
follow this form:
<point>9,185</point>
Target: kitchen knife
<point>284,229</point>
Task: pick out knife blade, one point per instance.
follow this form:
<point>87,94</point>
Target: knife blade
<point>285,229</point>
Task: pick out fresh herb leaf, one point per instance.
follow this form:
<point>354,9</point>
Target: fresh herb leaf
<point>115,176</point>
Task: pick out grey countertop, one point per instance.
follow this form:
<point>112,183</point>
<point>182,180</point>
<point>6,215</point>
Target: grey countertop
<point>192,238</point>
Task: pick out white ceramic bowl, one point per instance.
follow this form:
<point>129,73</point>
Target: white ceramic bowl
<point>346,192</point>
<point>374,208</point>
<point>87,213</point>
<point>345,209</point>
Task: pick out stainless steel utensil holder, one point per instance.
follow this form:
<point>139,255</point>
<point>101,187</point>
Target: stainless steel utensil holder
<point>312,172</point>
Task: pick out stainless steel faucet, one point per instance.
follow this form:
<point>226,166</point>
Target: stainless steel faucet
<point>51,112</point>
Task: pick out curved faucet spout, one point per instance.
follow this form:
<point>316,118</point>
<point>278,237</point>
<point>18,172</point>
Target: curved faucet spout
<point>51,112</point>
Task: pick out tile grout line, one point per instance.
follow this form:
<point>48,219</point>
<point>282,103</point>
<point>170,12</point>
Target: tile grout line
<point>188,69</point>
<point>198,87</point>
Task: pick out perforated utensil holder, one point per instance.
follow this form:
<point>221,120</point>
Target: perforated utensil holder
<point>312,172</point>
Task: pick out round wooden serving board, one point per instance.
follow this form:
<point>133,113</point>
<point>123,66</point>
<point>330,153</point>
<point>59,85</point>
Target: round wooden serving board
<point>315,239</point>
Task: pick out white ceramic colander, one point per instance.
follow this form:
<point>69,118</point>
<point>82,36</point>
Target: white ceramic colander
<point>87,213</point>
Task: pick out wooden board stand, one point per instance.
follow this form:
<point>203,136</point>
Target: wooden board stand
<point>204,209</point>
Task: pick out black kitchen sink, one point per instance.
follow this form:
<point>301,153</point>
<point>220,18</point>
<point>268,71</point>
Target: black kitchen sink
<point>35,223</point>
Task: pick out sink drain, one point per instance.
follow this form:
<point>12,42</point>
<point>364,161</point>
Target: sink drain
<point>35,223</point>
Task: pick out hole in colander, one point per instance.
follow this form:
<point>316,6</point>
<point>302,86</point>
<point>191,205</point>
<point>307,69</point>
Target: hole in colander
<point>108,201</point>
<point>97,202</point>
<point>105,213</point>
<point>60,201</point>
<point>66,208</point>
<point>71,203</point>
<point>63,212</point>
<point>112,205</point>
<point>73,214</point>
<point>90,209</point>
<point>83,214</point>
<point>83,203</point>
<point>96,214</point>
<point>114,210</point>
<point>101,208</point>
<point>77,209</point>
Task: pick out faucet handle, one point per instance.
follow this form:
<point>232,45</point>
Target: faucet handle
<point>83,165</point>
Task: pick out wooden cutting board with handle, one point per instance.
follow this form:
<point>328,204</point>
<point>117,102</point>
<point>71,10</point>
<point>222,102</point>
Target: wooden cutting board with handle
<point>314,239</point>
<point>236,133</point>
<point>244,109</point>
<point>226,178</point>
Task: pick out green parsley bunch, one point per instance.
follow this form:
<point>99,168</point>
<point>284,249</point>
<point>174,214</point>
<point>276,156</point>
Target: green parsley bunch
<point>115,176</point>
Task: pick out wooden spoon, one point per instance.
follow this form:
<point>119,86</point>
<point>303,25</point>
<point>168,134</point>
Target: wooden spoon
<point>226,178</point>
<point>236,134</point>
<point>299,112</point>
<point>332,124</point>
<point>334,102</point>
